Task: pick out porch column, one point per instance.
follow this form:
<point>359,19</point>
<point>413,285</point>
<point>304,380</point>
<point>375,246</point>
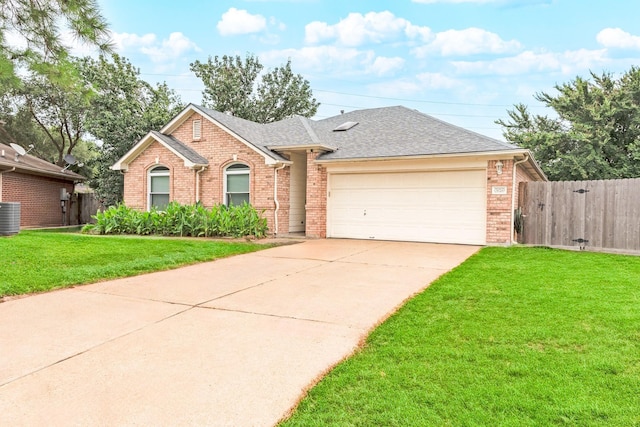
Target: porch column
<point>316,206</point>
<point>499,215</point>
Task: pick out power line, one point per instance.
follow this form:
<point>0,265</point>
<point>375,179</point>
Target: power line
<point>423,101</point>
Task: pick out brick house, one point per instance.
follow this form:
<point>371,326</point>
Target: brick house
<point>386,173</point>
<point>37,185</point>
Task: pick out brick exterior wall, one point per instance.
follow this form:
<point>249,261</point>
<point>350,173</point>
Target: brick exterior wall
<point>521,176</point>
<point>222,149</point>
<point>219,148</point>
<point>316,215</point>
<point>499,215</point>
<point>39,198</point>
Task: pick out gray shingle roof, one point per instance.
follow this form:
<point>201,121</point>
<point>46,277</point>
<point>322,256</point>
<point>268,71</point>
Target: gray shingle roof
<point>381,132</point>
<point>250,131</point>
<point>34,165</point>
<point>399,131</point>
<point>184,150</point>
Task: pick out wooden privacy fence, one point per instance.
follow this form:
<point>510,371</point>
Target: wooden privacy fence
<point>82,207</point>
<point>599,215</point>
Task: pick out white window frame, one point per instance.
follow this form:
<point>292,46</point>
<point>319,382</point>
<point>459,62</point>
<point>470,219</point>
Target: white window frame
<point>159,171</point>
<point>197,130</point>
<point>228,172</point>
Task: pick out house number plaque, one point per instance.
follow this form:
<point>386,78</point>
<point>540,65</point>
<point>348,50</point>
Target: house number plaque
<point>499,189</point>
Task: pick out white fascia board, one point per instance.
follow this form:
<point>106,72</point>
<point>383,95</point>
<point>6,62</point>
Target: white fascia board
<point>123,163</point>
<point>178,119</point>
<point>506,154</point>
<point>136,150</point>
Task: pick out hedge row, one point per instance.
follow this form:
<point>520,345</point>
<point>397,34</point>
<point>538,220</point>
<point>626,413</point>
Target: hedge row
<point>182,220</point>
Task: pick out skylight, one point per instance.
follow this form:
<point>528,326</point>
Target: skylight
<point>345,126</point>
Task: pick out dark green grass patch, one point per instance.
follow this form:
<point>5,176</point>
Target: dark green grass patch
<point>36,261</point>
<point>513,337</point>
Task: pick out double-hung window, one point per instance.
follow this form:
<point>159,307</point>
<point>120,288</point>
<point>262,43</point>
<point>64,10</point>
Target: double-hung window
<point>236,178</point>
<point>159,179</point>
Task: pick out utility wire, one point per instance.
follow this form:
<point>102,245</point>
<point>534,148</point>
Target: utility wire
<point>423,101</point>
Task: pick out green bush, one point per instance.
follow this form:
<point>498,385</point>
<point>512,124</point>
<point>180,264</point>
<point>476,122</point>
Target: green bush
<point>182,220</point>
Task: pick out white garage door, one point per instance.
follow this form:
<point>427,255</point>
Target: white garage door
<point>443,207</point>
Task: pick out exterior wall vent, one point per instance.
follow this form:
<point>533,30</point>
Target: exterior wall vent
<point>197,129</point>
<point>9,218</point>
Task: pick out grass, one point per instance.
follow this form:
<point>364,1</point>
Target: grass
<point>37,261</point>
<point>513,337</point>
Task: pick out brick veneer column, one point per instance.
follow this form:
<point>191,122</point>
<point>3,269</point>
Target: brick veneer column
<point>316,207</point>
<point>499,215</point>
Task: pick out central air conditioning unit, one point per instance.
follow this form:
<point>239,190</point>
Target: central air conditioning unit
<point>9,218</point>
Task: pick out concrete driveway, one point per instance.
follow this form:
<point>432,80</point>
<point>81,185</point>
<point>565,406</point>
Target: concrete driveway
<point>232,342</point>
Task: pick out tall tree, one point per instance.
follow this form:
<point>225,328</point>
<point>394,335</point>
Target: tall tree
<point>37,79</point>
<point>36,37</point>
<point>59,110</point>
<point>236,86</point>
<point>48,117</point>
<point>595,135</point>
<point>123,110</point>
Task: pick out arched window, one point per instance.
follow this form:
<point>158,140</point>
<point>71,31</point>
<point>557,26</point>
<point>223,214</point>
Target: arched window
<point>159,187</point>
<point>236,184</point>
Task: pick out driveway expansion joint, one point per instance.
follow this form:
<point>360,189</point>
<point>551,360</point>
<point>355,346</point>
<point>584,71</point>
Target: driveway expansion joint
<point>303,319</point>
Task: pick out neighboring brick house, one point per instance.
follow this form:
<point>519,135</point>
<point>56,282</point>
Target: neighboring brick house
<point>386,173</point>
<point>37,185</point>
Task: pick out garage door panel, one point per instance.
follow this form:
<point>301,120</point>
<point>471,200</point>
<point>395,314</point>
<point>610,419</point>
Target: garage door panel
<point>446,207</point>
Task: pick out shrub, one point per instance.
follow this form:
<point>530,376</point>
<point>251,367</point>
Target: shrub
<point>182,220</point>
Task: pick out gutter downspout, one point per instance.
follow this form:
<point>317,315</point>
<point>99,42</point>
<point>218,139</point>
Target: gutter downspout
<point>7,171</point>
<point>275,198</point>
<point>513,193</point>
<point>198,183</point>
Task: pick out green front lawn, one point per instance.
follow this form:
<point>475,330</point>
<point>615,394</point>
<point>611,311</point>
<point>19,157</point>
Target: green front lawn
<point>36,261</point>
<point>514,336</point>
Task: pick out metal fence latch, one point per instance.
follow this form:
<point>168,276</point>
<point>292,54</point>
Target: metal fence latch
<point>582,242</point>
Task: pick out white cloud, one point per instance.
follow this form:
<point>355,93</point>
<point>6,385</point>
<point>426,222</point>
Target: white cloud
<point>617,38</point>
<point>470,41</point>
<point>15,40</point>
<point>515,3</point>
<point>318,58</point>
<point>124,41</point>
<point>239,21</point>
<point>531,62</point>
<point>76,46</point>
<point>275,23</point>
<point>175,46</point>
<point>454,1</point>
<point>421,83</point>
<point>383,66</point>
<point>424,34</point>
<point>358,29</point>
<point>335,60</point>
<point>158,51</point>
<point>436,81</point>
<point>317,31</point>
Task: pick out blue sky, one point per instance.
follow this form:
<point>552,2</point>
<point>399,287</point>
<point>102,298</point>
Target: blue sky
<point>463,61</point>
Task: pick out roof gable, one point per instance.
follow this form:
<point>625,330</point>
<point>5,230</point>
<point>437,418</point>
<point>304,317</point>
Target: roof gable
<point>245,131</point>
<point>190,157</point>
